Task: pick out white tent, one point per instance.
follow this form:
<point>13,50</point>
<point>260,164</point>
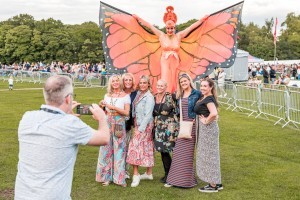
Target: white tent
<point>239,70</point>
<point>252,59</point>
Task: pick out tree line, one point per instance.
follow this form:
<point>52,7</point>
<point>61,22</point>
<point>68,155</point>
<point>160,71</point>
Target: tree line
<point>24,39</point>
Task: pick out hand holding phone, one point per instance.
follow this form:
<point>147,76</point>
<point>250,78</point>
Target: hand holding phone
<point>83,109</point>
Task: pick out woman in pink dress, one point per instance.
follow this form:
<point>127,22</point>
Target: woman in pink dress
<point>141,147</point>
<point>170,43</point>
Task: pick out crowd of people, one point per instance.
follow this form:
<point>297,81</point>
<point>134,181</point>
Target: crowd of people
<point>274,74</point>
<point>134,123</point>
<point>56,67</point>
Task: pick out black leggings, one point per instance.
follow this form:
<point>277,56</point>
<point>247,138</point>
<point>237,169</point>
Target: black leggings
<point>166,160</point>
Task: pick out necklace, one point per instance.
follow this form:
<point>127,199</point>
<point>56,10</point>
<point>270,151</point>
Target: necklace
<point>160,97</point>
<point>112,100</point>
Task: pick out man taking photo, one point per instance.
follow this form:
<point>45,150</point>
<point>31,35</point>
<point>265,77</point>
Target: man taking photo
<point>48,143</point>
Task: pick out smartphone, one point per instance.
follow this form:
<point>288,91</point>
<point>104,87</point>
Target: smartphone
<point>83,109</point>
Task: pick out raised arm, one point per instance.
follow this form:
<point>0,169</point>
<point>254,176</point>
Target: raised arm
<point>186,31</point>
<point>148,25</point>
<point>101,135</point>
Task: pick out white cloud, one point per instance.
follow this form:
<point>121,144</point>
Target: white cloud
<point>79,11</point>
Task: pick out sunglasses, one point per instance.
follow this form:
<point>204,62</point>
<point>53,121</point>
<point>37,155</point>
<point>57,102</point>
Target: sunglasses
<point>183,76</point>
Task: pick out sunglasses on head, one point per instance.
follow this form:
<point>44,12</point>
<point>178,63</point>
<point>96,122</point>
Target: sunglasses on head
<point>183,76</point>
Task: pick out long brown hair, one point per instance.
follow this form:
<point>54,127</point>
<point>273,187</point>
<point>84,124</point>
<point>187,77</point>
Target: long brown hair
<point>211,84</point>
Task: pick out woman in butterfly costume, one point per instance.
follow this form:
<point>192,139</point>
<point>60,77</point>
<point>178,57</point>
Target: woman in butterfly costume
<point>129,47</point>
<point>170,45</point>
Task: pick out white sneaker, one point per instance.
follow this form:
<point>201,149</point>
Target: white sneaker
<point>167,185</point>
<point>145,176</point>
<point>135,180</point>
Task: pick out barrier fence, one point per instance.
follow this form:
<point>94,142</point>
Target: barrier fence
<point>79,79</point>
<point>260,100</point>
<point>270,101</point>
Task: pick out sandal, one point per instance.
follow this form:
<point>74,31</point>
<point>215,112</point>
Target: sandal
<point>105,183</point>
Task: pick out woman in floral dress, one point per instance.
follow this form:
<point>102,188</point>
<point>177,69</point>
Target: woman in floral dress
<point>165,125</point>
<point>141,147</point>
<point>112,157</point>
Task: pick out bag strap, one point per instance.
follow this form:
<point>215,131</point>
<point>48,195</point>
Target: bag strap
<point>180,107</point>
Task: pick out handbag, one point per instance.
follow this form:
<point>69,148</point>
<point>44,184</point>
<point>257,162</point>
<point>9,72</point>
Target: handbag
<point>185,128</point>
<point>118,130</point>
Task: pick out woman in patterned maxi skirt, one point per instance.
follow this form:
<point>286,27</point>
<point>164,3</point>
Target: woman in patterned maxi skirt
<point>208,156</point>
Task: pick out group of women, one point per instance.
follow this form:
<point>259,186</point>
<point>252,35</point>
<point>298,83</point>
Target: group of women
<point>141,123</point>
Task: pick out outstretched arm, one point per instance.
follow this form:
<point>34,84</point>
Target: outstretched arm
<point>148,25</point>
<point>186,31</point>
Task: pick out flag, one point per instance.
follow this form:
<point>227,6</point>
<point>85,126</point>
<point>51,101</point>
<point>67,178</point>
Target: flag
<point>275,38</point>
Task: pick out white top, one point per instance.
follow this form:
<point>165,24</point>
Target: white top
<point>48,145</point>
<point>221,78</point>
<point>119,102</point>
<point>10,81</point>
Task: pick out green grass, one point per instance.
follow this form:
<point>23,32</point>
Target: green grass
<point>258,160</point>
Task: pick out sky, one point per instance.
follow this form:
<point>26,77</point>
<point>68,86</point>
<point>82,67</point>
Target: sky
<point>79,11</point>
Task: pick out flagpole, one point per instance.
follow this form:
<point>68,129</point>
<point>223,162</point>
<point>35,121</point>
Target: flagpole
<point>275,39</point>
<point>274,53</point>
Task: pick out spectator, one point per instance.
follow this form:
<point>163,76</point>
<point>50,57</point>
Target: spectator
<point>48,143</point>
<point>273,74</point>
<point>221,82</point>
<point>103,75</point>
<point>10,82</point>
<point>283,80</point>
<point>265,74</point>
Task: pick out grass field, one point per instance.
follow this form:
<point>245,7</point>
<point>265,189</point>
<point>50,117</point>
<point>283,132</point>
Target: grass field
<point>258,160</point>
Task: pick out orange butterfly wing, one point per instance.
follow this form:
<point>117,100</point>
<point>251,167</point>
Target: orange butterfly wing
<point>212,44</point>
<point>127,46</point>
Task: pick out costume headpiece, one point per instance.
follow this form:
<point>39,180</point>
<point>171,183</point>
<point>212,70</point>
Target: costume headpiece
<point>170,15</point>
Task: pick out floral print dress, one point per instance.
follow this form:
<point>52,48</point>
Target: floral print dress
<point>166,124</point>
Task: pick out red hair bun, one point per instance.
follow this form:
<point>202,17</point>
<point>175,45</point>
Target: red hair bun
<point>170,15</point>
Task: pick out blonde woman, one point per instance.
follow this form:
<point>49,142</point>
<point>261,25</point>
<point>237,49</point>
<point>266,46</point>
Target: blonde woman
<point>111,160</point>
<point>129,88</point>
<point>141,147</point>
<point>182,173</point>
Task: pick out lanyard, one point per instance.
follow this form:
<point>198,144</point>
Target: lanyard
<point>50,111</point>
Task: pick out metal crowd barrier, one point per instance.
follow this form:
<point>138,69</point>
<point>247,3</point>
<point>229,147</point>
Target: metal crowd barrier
<point>247,98</point>
<point>5,74</point>
<point>227,98</point>
<point>293,107</point>
<point>275,101</point>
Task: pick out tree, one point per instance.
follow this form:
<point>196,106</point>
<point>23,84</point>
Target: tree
<point>17,43</point>
<point>289,41</point>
